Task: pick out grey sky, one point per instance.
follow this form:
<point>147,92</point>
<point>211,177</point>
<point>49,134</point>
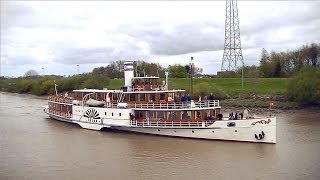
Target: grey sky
<point>58,35</point>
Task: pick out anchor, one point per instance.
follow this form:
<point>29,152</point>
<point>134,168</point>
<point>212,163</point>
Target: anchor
<point>259,136</point>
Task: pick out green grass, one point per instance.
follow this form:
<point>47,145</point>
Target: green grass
<point>115,83</point>
<point>230,86</point>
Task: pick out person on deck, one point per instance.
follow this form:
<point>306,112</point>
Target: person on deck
<point>177,98</point>
<point>211,97</point>
<point>188,98</point>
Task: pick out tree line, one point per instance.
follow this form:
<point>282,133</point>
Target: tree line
<point>141,68</point>
<point>45,85</point>
<point>286,64</point>
<point>301,66</point>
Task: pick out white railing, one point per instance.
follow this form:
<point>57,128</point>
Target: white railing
<point>174,105</point>
<point>60,99</point>
<point>150,105</point>
<point>146,123</point>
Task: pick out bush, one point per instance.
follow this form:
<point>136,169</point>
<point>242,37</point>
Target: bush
<point>201,89</point>
<point>304,88</point>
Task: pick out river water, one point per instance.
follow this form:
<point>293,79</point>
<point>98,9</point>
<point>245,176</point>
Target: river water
<point>33,146</point>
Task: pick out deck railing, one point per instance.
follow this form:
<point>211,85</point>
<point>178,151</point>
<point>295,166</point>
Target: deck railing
<point>60,113</point>
<point>60,99</point>
<point>149,105</point>
<point>146,123</point>
<point>175,105</point>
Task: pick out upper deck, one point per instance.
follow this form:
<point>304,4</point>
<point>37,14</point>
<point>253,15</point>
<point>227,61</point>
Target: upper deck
<point>191,105</point>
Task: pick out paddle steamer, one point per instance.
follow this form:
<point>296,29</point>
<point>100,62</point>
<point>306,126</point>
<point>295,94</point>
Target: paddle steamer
<point>145,105</point>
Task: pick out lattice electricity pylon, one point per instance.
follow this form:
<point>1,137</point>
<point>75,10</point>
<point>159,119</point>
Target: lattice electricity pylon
<point>232,43</point>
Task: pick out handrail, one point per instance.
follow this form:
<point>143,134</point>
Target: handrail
<point>60,99</point>
<point>174,105</point>
<point>171,123</point>
<point>150,105</point>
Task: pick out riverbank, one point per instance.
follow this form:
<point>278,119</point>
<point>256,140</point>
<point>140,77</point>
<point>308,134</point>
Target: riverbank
<point>254,103</point>
<point>256,92</point>
<point>257,106</point>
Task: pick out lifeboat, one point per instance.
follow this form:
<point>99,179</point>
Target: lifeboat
<point>95,103</point>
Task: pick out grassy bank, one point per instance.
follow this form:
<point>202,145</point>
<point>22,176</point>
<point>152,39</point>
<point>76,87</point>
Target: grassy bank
<point>256,92</point>
<point>230,86</point>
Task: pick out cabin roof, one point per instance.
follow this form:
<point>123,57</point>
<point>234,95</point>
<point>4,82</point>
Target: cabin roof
<point>129,92</point>
<point>96,90</point>
<point>162,91</point>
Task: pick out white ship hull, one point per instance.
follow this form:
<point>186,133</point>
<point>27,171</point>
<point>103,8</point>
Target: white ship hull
<point>216,132</point>
<point>262,130</point>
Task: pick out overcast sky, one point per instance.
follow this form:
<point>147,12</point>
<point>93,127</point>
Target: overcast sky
<point>53,37</point>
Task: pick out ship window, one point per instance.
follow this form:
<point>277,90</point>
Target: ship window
<point>142,97</point>
<point>132,97</point>
<point>114,96</point>
<point>198,115</point>
<point>105,113</point>
<point>162,96</point>
<point>126,98</point>
<point>119,114</point>
<point>152,97</point>
<point>207,114</point>
<point>150,115</point>
<point>140,114</point>
<point>99,96</point>
<point>186,115</point>
<point>172,115</point>
<point>160,115</point>
<point>111,114</point>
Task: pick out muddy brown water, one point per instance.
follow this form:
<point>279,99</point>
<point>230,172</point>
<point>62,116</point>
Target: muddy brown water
<point>32,146</point>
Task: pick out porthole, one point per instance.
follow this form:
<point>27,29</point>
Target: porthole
<point>212,131</point>
<point>158,129</point>
<point>192,131</point>
<point>105,113</point>
<point>174,131</point>
<point>111,114</point>
<point>119,114</point>
<point>235,131</point>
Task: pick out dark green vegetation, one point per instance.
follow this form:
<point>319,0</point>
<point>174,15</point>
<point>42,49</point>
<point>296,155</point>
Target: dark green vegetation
<point>114,69</point>
<point>39,85</point>
<point>287,78</point>
<point>304,88</point>
<point>286,64</point>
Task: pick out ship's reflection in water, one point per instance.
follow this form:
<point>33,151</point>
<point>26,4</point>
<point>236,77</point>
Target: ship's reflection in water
<point>34,147</point>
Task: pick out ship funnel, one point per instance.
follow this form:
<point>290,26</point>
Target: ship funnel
<point>128,73</point>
